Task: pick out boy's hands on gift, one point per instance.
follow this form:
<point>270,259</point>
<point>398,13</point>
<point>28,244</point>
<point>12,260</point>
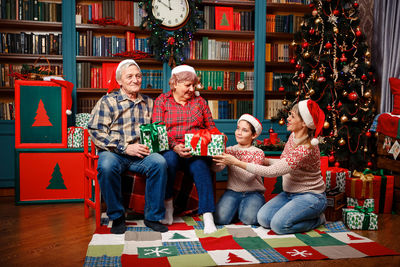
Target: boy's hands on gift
<point>137,150</point>
<point>182,151</point>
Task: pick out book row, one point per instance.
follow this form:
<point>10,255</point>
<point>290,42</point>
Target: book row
<point>304,2</point>
<point>7,111</point>
<point>7,71</point>
<point>124,12</point>
<point>225,80</point>
<point>30,10</point>
<point>212,49</point>
<point>278,52</point>
<point>31,43</point>
<point>224,18</point>
<point>283,23</point>
<point>229,109</point>
<point>274,80</point>
<point>107,46</point>
<point>89,76</point>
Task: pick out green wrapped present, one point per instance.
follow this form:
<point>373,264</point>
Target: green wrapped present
<point>82,120</point>
<point>368,203</point>
<point>205,142</point>
<point>154,136</point>
<point>75,137</point>
<point>360,218</point>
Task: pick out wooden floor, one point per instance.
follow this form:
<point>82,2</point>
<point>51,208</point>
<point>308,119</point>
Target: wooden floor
<point>58,235</point>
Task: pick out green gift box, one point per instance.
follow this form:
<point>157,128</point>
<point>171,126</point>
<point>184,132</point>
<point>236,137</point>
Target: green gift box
<point>154,136</point>
<point>205,143</point>
<point>360,218</point>
<point>75,137</point>
<point>368,203</point>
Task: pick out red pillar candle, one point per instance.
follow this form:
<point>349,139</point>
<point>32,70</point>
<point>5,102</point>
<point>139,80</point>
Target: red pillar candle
<point>273,137</point>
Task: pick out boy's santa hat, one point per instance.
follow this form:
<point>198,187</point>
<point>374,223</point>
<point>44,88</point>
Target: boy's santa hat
<point>113,83</point>
<point>253,121</point>
<point>313,116</point>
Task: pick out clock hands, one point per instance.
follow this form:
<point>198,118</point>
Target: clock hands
<point>169,5</point>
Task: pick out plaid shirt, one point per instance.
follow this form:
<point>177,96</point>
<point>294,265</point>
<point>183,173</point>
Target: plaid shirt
<point>190,118</point>
<point>115,120</point>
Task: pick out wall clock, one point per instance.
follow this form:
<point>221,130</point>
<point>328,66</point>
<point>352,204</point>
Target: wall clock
<point>172,24</point>
<point>171,13</point>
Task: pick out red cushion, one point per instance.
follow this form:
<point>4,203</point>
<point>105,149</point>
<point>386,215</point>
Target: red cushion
<point>395,88</point>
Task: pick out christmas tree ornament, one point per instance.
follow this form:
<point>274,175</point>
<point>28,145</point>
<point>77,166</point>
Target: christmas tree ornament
<point>304,45</point>
<point>335,30</point>
<point>344,119</point>
<point>336,12</point>
<point>342,142</point>
<point>331,158</point>
<point>328,45</point>
<point>369,164</point>
<point>311,31</point>
<point>314,12</point>
<point>368,134</point>
<point>293,43</point>
<point>367,94</point>
<point>352,96</point>
<point>281,88</point>
<point>292,61</point>
<point>307,54</point>
<point>354,119</point>
<point>367,54</point>
<point>368,63</point>
<point>311,91</point>
<point>339,105</point>
<point>318,21</point>
<point>302,75</point>
<point>281,122</point>
<point>271,130</point>
<point>298,67</point>
<point>344,93</point>
<point>364,77</point>
<point>326,125</point>
<point>343,58</point>
<point>355,5</point>
<point>284,102</point>
<point>358,33</point>
<point>337,164</point>
<point>329,107</point>
<point>321,79</point>
<point>365,149</point>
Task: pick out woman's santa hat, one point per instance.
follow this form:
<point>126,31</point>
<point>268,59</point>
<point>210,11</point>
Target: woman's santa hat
<point>253,121</point>
<point>313,117</point>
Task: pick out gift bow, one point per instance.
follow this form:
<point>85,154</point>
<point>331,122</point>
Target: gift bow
<point>205,135</point>
<point>151,129</point>
<point>365,177</point>
<point>367,216</point>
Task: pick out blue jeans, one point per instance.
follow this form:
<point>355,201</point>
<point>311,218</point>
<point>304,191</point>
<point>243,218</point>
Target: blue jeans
<point>289,213</point>
<point>110,168</point>
<point>199,169</point>
<point>245,204</point>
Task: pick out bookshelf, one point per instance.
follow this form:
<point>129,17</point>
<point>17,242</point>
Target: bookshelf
<point>282,21</point>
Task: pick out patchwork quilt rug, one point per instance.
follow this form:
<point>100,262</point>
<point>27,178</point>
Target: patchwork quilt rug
<point>185,244</point>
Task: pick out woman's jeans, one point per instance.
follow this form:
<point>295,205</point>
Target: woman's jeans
<point>198,168</point>
<point>289,213</point>
<point>245,204</point>
<point>110,168</point>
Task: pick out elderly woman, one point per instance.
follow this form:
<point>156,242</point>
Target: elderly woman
<point>300,206</point>
<point>184,112</point>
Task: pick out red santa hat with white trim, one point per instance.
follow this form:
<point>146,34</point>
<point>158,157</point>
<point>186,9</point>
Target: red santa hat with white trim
<point>253,121</point>
<point>313,117</point>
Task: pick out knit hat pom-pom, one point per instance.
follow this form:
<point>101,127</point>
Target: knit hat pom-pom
<point>68,112</point>
<point>314,141</point>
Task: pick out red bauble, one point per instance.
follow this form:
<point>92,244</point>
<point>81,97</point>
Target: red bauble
<point>292,61</point>
<point>328,45</point>
<point>336,12</point>
<point>305,45</point>
<point>329,107</point>
<point>352,96</point>
<point>298,67</point>
<point>302,75</point>
<point>368,134</point>
<point>364,77</point>
<point>337,164</point>
<point>356,5</point>
<point>311,5</point>
<point>314,12</point>
<point>311,31</point>
<point>321,79</point>
<point>358,33</point>
<point>281,88</point>
<point>343,58</point>
<point>339,105</point>
<point>331,158</point>
<point>271,130</point>
<point>369,164</point>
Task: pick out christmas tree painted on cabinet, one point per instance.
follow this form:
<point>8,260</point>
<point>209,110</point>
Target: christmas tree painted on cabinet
<point>333,68</point>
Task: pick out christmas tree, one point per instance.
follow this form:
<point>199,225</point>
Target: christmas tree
<point>332,67</point>
<point>56,181</point>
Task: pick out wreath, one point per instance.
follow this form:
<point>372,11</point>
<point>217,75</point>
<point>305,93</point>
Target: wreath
<point>168,46</point>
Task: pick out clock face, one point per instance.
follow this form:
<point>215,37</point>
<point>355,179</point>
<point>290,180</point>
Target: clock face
<point>172,13</point>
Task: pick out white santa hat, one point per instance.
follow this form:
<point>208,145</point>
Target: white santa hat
<point>313,117</point>
<point>253,121</point>
<point>182,68</point>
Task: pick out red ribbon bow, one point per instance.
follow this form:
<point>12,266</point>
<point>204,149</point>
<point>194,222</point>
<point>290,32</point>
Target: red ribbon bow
<point>205,135</point>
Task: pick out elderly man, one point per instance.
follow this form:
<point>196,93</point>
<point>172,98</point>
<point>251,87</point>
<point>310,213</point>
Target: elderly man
<point>114,129</point>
